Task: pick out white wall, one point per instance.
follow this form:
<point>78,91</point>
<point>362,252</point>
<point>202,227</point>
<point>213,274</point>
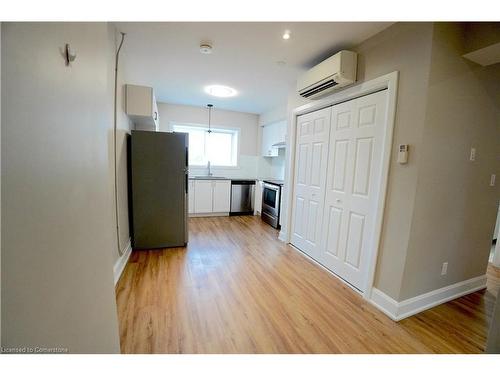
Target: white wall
<point>246,122</point>
<point>272,167</point>
<point>57,221</point>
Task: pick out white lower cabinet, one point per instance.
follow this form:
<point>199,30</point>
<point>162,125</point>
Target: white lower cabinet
<point>258,197</point>
<point>210,197</point>
<point>221,196</point>
<point>190,197</point>
<point>203,196</point>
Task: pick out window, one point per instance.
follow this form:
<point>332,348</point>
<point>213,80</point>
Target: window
<point>220,147</point>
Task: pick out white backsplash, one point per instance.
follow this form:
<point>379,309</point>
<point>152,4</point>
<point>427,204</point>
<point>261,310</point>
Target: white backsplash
<point>250,166</point>
<point>247,169</point>
<point>273,168</point>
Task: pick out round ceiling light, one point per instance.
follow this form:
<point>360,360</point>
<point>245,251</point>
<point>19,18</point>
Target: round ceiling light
<point>206,48</point>
<point>286,35</point>
<point>220,91</point>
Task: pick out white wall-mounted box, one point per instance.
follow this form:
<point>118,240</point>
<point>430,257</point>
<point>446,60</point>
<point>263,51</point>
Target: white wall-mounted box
<point>141,107</point>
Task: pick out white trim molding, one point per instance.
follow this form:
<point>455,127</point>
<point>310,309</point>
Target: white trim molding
<point>408,307</point>
<point>121,262</point>
<point>282,236</point>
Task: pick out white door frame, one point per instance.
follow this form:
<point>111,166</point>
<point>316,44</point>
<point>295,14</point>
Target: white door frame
<point>389,82</point>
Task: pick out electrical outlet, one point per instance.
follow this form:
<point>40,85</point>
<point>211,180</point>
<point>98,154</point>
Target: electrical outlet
<point>444,268</point>
<point>472,154</point>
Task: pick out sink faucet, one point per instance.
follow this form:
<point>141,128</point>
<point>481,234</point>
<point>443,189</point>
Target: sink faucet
<point>209,170</point>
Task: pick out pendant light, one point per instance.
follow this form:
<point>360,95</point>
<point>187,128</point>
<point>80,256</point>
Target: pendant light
<point>209,106</point>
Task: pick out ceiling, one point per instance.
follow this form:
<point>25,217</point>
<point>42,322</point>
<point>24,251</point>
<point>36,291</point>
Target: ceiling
<point>166,56</point>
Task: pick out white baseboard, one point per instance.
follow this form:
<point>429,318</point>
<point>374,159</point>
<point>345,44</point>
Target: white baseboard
<point>282,236</point>
<point>210,214</point>
<point>385,304</point>
<point>122,262</point>
<point>400,310</point>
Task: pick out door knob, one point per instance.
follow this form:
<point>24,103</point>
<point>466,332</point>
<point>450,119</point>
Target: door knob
<point>338,200</point>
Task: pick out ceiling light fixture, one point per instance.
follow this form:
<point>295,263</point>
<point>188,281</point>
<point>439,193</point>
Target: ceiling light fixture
<point>286,35</point>
<point>209,106</point>
<point>206,48</point>
<point>220,91</point>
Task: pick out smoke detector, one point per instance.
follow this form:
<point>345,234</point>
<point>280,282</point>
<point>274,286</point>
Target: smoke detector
<point>206,48</point>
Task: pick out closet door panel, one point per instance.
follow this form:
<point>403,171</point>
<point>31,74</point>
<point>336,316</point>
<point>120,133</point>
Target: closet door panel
<point>310,178</point>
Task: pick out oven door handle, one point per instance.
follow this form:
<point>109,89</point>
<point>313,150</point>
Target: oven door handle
<point>271,187</point>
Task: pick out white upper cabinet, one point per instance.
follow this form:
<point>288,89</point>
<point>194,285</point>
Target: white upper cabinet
<point>273,138</point>
<point>141,107</point>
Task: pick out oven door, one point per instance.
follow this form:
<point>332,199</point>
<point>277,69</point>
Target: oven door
<point>271,199</point>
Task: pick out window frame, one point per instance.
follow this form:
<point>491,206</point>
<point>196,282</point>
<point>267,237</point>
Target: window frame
<point>222,129</point>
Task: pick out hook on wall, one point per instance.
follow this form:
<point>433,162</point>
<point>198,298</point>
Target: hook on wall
<point>68,56</point>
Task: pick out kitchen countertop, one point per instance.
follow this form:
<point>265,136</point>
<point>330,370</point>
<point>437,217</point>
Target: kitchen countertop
<point>223,178</point>
<point>208,178</point>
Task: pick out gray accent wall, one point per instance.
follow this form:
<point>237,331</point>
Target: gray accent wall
<point>455,207</point>
<point>439,207</point>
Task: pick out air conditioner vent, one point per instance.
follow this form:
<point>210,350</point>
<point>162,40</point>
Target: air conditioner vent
<point>333,73</point>
<point>319,88</point>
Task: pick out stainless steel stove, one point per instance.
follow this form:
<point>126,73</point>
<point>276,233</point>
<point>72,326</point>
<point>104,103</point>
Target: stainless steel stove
<point>271,202</point>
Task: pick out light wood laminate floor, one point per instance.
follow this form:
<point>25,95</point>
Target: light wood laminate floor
<point>237,289</point>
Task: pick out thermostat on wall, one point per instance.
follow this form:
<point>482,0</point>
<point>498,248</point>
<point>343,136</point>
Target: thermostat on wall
<point>403,154</point>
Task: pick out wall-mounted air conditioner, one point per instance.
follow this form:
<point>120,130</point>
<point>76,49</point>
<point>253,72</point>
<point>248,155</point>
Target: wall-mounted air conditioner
<point>337,71</point>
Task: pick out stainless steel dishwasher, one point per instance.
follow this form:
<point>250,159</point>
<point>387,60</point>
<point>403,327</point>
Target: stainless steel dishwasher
<point>242,197</point>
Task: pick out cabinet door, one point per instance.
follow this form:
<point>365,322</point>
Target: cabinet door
<point>268,139</point>
<point>203,196</point>
<point>282,128</point>
<point>139,100</point>
<point>191,197</point>
<point>156,115</point>
<point>222,196</point>
<point>265,140</point>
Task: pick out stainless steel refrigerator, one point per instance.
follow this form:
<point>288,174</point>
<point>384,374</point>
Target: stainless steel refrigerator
<point>159,183</point>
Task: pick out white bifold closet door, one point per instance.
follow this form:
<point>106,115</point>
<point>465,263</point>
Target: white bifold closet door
<point>353,175</point>
<point>311,152</point>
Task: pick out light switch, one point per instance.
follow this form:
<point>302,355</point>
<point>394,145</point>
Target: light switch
<point>472,154</point>
<point>492,179</point>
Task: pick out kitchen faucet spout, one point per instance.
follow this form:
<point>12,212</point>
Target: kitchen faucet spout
<point>209,169</point>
